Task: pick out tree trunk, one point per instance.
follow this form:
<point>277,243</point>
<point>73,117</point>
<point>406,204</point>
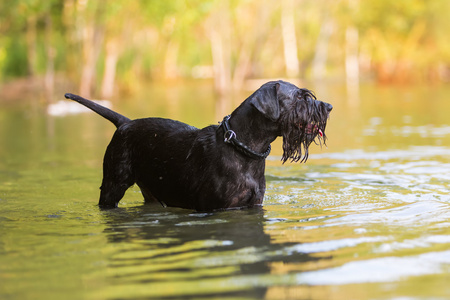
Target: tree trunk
<point>220,61</point>
<point>352,64</point>
<point>112,56</point>
<point>289,39</point>
<point>321,53</point>
<point>31,39</point>
<point>242,66</point>
<point>170,60</point>
<point>49,79</point>
<point>92,41</point>
<point>351,56</point>
<point>220,48</point>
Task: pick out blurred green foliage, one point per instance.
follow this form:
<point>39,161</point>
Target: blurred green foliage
<point>228,40</point>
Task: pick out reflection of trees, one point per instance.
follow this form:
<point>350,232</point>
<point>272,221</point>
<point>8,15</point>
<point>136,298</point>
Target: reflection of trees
<point>116,46</point>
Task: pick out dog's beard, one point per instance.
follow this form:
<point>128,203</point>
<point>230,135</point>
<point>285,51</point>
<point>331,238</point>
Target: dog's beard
<point>304,123</point>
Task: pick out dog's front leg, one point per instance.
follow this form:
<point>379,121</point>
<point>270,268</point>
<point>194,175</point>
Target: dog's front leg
<point>117,173</point>
<point>111,194</point>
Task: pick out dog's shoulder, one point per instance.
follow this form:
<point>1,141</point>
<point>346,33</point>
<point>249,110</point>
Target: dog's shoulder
<point>206,135</point>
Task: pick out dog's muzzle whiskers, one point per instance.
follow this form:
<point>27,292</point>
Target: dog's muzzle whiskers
<point>304,124</point>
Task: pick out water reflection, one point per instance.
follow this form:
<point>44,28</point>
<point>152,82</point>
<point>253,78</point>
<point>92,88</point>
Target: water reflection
<point>173,252</point>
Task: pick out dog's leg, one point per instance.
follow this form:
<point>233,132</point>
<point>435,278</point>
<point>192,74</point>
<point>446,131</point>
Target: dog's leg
<point>116,180</point>
<point>111,193</point>
<point>117,175</point>
<point>148,197</point>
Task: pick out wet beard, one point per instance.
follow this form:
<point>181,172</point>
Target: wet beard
<point>298,135</point>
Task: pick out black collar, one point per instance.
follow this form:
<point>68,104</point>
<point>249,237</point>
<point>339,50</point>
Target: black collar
<point>230,138</point>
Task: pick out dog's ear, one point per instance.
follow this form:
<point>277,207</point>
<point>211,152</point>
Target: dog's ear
<point>265,100</point>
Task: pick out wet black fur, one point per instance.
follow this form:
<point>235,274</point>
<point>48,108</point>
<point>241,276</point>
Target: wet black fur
<point>182,166</point>
<point>299,115</point>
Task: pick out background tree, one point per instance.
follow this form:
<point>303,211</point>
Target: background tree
<point>114,48</point>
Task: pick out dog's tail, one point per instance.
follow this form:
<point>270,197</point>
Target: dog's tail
<point>116,118</point>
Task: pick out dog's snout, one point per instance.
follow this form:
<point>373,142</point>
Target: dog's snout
<point>328,106</point>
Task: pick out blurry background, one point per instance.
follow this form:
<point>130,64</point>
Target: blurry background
<point>108,48</point>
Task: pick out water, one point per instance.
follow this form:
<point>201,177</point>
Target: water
<point>368,217</point>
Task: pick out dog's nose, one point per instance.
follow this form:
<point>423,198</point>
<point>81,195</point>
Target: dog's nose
<point>329,106</point>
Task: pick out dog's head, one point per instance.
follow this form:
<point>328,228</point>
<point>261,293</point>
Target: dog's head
<point>300,116</point>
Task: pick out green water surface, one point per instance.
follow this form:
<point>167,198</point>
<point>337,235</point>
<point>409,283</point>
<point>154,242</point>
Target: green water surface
<point>367,217</point>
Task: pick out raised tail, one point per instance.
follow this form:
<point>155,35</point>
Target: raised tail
<point>116,118</point>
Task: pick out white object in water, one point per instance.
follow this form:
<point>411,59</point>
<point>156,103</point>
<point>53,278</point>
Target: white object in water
<point>63,107</point>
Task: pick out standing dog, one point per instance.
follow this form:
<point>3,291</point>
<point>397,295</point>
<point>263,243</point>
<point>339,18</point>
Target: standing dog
<point>217,167</point>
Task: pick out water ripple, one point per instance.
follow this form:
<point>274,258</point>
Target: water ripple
<point>411,214</point>
<point>386,269</point>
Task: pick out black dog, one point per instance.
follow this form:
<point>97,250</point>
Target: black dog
<point>217,167</point>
